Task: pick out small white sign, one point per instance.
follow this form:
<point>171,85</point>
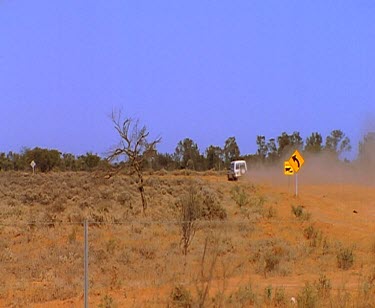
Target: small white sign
<point>33,164</point>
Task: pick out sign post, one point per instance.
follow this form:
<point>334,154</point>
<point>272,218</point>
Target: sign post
<point>288,170</point>
<point>33,164</point>
<point>296,161</point>
<point>296,194</point>
<point>86,265</point>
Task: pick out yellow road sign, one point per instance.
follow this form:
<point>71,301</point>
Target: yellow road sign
<point>296,161</point>
<point>288,170</point>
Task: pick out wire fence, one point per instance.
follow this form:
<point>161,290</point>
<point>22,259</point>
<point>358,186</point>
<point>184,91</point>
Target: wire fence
<point>134,262</point>
<point>210,222</point>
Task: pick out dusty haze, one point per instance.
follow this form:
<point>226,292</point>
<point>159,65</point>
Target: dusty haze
<point>320,169</point>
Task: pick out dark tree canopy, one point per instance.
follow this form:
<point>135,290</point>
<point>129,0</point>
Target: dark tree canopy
<point>262,150</point>
<point>283,141</point>
<point>187,154</point>
<point>231,150</point>
<point>45,159</point>
<point>337,142</point>
<point>272,150</point>
<point>137,152</point>
<point>214,157</point>
<point>314,143</point>
<point>366,149</point>
<point>289,142</point>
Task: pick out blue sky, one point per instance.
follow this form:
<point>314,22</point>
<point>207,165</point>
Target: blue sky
<point>206,70</point>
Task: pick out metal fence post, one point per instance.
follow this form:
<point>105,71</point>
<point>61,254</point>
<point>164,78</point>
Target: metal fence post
<point>86,265</point>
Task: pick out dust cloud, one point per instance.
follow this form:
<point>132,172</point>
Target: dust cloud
<point>321,169</point>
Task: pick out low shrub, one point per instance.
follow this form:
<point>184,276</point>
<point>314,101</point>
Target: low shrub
<point>240,196</point>
<point>308,297</point>
<point>271,255</point>
<point>299,212</point>
<point>244,296</point>
<point>270,212</point>
<point>373,248</point>
<point>211,205</point>
<point>268,294</point>
<point>279,299</point>
<point>345,258</point>
<point>323,286</point>
<point>313,235</point>
<point>107,302</point>
<point>180,297</point>
<point>148,253</point>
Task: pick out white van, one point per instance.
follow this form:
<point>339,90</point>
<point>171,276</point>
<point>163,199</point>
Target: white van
<point>237,169</point>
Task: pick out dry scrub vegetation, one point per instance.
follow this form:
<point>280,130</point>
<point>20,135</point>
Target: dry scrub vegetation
<point>205,242</point>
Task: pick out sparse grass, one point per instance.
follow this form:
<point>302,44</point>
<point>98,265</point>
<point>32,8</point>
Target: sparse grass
<point>308,297</point>
<point>323,286</point>
<point>180,297</point>
<point>149,253</point>
<point>301,213</point>
<point>211,205</point>
<point>107,302</point>
<point>271,256</point>
<point>372,248</point>
<point>240,196</point>
<point>270,212</point>
<point>244,297</point>
<point>279,298</point>
<point>44,262</point>
<point>345,257</point>
<point>314,236</point>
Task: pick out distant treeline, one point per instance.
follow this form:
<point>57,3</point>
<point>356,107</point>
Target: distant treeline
<point>187,154</point>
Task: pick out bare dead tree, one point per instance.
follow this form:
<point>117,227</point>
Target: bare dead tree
<point>134,146</point>
<point>190,213</point>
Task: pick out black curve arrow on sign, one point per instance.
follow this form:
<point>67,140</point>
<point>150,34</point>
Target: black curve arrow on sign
<point>295,159</point>
<point>287,169</point>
